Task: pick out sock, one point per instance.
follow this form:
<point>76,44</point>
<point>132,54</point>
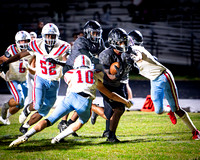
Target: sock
<point>8,114</point>
<point>70,122</point>
<point>30,133</point>
<point>166,109</point>
<point>107,125</point>
<point>28,109</point>
<point>26,125</point>
<point>112,134</point>
<point>65,133</point>
<point>186,119</point>
<point>63,121</point>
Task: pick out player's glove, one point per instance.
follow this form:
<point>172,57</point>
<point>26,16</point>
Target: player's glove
<point>52,60</point>
<point>130,103</point>
<point>4,67</point>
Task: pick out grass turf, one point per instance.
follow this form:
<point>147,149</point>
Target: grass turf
<point>143,136</point>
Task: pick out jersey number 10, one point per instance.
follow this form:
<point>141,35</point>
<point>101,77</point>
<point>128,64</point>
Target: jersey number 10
<point>88,76</point>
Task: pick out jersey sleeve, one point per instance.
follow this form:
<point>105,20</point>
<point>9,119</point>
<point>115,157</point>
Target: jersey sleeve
<point>79,47</point>
<point>104,59</point>
<point>68,76</point>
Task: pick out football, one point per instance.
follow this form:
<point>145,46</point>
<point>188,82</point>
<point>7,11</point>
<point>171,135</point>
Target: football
<point>113,71</point>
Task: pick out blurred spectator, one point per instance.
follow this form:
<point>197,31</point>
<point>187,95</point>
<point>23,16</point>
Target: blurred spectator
<point>97,17</point>
<point>57,10</point>
<point>39,29</point>
<point>105,18</point>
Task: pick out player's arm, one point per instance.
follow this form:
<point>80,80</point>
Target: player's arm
<point>17,57</point>
<point>13,59</point>
<point>107,71</point>
<point>112,95</point>
<point>3,59</point>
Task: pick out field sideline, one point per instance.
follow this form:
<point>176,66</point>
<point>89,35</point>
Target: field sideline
<point>143,136</point>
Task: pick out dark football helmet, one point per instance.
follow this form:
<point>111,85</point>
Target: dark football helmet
<point>118,39</point>
<point>93,31</point>
<point>136,37</point>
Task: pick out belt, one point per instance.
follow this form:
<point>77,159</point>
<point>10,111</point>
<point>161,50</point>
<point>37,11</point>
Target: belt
<point>83,94</point>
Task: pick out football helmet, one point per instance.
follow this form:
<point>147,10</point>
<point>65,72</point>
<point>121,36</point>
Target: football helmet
<point>93,31</point>
<point>82,61</point>
<point>22,38</point>
<point>135,37</point>
<point>118,39</point>
<point>33,35</point>
<point>50,34</point>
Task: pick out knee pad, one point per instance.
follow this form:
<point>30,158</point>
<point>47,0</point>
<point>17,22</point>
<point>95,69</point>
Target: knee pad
<point>48,122</point>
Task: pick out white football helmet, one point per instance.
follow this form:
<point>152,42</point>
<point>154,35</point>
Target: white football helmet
<point>22,36</point>
<point>82,61</point>
<point>33,35</point>
<point>50,34</point>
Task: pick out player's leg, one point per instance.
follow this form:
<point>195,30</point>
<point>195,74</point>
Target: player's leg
<point>98,110</point>
<point>172,97</point>
<point>28,105</point>
<point>19,92</point>
<point>114,121</point>
<point>82,106</point>
<point>39,91</point>
<point>61,110</point>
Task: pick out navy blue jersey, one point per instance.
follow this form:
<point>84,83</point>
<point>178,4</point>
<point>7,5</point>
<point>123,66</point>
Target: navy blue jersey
<point>107,57</point>
<point>86,47</point>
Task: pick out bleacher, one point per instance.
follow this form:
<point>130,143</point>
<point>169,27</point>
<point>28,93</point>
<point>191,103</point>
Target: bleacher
<point>171,34</point>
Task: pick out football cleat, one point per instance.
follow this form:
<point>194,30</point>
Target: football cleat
<point>18,141</point>
<point>196,135</point>
<point>55,140</point>
<point>113,139</point>
<point>93,117</point>
<point>23,129</point>
<point>24,114</point>
<point>4,110</point>
<point>62,126</point>
<point>5,121</point>
<point>172,117</point>
<point>105,133</point>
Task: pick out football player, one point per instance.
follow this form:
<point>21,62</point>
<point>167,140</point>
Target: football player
<point>90,44</point>
<point>47,79</point>
<point>82,81</point>
<point>118,41</point>
<point>15,76</point>
<point>33,35</point>
<point>30,81</point>
<point>162,83</point>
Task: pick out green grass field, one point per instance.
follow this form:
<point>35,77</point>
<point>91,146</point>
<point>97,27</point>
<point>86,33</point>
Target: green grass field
<point>143,136</point>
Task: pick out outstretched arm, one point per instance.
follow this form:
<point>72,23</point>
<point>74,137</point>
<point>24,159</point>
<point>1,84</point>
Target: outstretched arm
<point>14,58</point>
<point>17,57</point>
<point>112,95</point>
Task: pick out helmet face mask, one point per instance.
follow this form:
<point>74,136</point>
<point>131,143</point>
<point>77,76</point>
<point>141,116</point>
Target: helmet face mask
<point>22,39</point>
<point>82,61</point>
<point>118,39</point>
<point>93,31</point>
<point>50,39</point>
<point>50,34</point>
